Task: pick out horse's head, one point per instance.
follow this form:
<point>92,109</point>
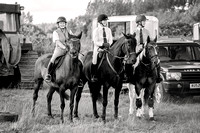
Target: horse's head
<point>150,51</point>
<point>129,48</point>
<point>75,45</point>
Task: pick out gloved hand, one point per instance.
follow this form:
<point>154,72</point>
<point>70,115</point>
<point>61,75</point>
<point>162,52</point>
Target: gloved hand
<point>106,45</point>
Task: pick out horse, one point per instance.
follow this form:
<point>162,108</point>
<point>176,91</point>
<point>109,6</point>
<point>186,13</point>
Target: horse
<point>67,76</point>
<point>110,73</point>
<point>146,74</point>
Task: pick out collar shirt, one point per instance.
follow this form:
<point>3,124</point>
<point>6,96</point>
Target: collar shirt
<point>98,36</point>
<point>145,34</point>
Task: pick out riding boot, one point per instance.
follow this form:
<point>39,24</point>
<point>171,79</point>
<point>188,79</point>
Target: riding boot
<point>159,79</point>
<point>94,73</point>
<point>48,76</point>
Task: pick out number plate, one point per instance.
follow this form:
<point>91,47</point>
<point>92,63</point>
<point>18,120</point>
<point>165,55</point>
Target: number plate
<point>194,85</point>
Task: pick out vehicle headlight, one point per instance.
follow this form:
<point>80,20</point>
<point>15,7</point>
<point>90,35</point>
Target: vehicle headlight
<point>173,76</point>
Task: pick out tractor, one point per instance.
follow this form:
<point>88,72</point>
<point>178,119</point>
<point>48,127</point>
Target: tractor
<point>17,57</point>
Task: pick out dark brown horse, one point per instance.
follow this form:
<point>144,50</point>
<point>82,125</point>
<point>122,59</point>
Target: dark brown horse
<point>67,76</point>
<point>146,74</point>
<point>110,73</point>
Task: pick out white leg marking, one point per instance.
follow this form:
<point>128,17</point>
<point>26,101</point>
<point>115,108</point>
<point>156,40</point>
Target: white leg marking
<point>131,88</point>
<point>150,112</point>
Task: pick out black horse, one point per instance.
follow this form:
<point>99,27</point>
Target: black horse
<point>67,76</point>
<point>110,73</point>
<point>146,74</point>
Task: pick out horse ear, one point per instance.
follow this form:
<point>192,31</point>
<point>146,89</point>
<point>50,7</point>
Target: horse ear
<point>134,34</point>
<point>126,36</point>
<point>155,39</point>
<point>148,39</point>
<point>69,35</point>
<point>79,35</point>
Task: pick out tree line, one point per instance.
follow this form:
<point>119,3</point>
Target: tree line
<point>176,17</point>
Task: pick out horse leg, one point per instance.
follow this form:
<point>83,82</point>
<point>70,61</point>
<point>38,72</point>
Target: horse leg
<point>71,104</point>
<point>94,91</point>
<point>131,97</point>
<point>66,96</point>
<point>78,97</point>
<point>116,101</point>
<point>142,98</point>
<point>62,101</point>
<point>105,103</point>
<point>151,101</point>
<point>49,98</point>
<point>138,89</point>
<point>37,85</point>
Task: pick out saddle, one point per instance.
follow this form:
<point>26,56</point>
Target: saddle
<point>57,63</point>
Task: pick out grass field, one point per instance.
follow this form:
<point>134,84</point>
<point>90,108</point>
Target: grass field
<point>182,116</point>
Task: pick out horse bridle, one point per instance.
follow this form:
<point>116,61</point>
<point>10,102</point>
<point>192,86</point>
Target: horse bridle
<point>152,58</point>
<point>125,58</point>
<point>73,51</point>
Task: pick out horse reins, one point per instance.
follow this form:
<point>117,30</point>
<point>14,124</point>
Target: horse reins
<point>119,57</point>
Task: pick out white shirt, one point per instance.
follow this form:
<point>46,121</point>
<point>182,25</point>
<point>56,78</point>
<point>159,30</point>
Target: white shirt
<point>98,36</point>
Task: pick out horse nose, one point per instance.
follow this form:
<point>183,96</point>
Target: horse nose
<point>73,51</point>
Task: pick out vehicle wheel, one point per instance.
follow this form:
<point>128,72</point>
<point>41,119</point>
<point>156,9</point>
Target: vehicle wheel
<point>163,95</point>
<point>8,116</point>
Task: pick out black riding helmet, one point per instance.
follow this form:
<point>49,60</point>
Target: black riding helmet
<point>61,19</point>
<point>102,17</point>
<point>140,18</point>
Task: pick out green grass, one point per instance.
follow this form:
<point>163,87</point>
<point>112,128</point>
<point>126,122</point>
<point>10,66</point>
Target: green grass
<point>182,116</point>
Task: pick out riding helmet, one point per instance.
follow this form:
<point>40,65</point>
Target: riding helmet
<point>102,17</point>
<point>140,18</point>
<point>61,19</point>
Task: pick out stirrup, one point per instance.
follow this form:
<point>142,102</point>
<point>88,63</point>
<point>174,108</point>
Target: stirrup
<point>80,84</point>
<point>94,79</point>
<point>48,78</point>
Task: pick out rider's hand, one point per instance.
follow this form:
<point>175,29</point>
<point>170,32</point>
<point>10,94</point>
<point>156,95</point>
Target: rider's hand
<point>106,45</point>
<point>139,48</point>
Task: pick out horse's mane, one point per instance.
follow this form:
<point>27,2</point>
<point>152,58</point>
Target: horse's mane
<point>119,41</point>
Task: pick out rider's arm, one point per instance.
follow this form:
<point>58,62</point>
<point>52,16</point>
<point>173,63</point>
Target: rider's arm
<point>97,39</point>
<point>57,41</point>
<point>110,37</point>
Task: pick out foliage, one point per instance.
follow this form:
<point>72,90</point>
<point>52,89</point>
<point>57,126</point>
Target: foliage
<point>173,18</point>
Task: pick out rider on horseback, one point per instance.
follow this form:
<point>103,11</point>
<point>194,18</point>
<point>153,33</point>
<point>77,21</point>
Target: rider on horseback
<point>102,38</point>
<point>60,37</point>
<point>141,36</point>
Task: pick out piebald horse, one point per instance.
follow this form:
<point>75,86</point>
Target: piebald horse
<point>67,76</point>
<point>145,83</point>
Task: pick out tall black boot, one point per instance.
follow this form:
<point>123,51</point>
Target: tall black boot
<point>159,79</point>
<point>48,76</point>
<point>94,73</point>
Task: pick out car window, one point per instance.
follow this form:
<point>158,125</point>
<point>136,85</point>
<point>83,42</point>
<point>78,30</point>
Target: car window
<point>179,53</point>
<point>118,27</point>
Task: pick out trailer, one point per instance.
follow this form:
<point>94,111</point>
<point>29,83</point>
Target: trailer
<point>196,32</point>
<point>127,24</point>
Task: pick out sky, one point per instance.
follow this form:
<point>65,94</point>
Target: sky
<point>47,11</point>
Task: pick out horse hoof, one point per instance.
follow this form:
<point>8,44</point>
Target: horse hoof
<point>51,116</point>
<point>96,116</point>
<point>76,117</point>
<point>152,119</point>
